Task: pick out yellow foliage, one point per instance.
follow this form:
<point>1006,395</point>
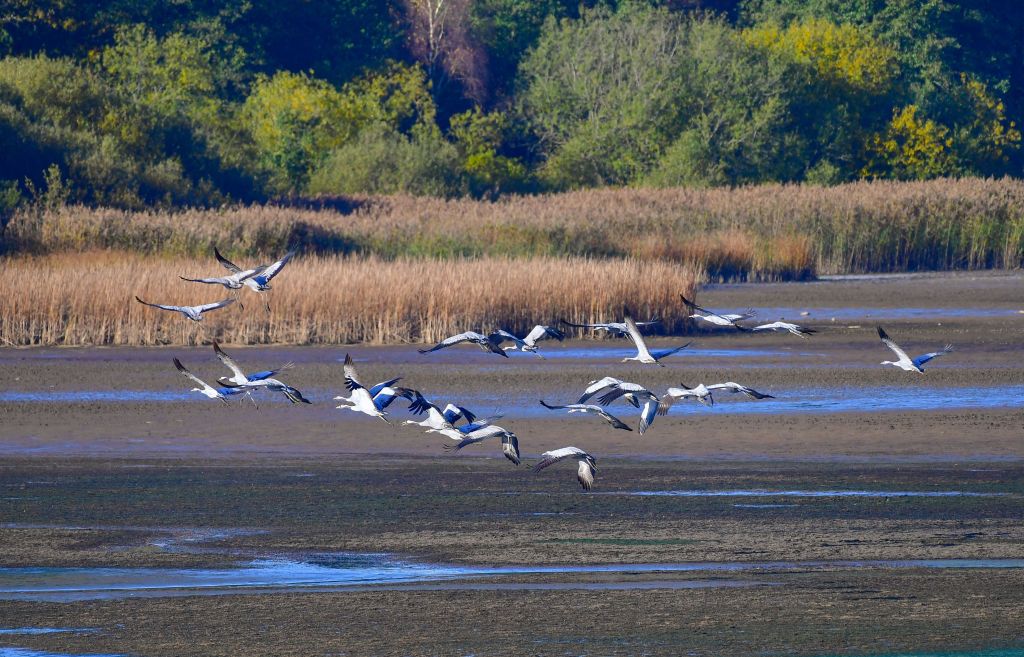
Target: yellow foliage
<point>912,147</point>
<point>841,54</point>
<point>291,108</point>
<point>399,97</point>
<point>990,134</point>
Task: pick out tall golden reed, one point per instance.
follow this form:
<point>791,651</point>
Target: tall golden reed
<point>762,231</point>
<point>88,298</point>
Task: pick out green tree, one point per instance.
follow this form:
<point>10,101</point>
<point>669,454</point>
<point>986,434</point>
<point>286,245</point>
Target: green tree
<point>839,82</point>
<point>508,29</point>
<point>737,115</point>
<point>294,120</point>
<point>479,138</point>
<point>600,93</point>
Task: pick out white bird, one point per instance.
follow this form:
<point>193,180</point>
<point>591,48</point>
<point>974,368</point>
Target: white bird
<point>618,329</point>
<point>293,395</point>
<point>529,343</point>
<point>360,401</point>
<point>614,388</point>
<point>703,394</point>
<point>733,387</point>
<point>634,393</point>
<point>729,319</point>
<point>672,395</point>
<point>798,331</point>
<point>647,415</point>
<point>233,282</point>
<point>509,441</point>
<point>238,377</point>
<point>195,313</point>
<point>590,408</point>
<point>905,362</point>
<point>453,413</point>
<point>587,464</point>
<point>240,381</point>
<point>483,341</point>
<point>600,385</point>
<point>204,387</point>
<point>643,354</point>
<point>260,281</point>
<point>436,420</point>
<point>479,423</point>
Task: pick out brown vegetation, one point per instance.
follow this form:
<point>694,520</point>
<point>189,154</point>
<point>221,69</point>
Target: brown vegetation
<point>87,298</point>
<point>771,231</point>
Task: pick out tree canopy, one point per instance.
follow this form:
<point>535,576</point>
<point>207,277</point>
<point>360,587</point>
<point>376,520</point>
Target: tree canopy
<point>154,103</point>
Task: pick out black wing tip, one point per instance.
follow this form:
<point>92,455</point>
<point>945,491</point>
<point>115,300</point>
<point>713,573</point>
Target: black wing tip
<point>881,333</point>
<point>348,359</point>
<point>177,363</point>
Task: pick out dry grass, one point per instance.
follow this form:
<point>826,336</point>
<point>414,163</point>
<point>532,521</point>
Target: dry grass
<point>771,231</point>
<point>87,299</point>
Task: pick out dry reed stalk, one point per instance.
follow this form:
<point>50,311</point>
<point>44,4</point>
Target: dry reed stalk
<point>869,226</point>
<point>87,298</point>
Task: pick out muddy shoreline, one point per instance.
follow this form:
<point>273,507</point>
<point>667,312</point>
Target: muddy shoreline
<point>170,482</point>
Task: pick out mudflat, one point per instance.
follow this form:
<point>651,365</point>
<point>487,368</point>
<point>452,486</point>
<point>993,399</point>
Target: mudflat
<point>864,510</point>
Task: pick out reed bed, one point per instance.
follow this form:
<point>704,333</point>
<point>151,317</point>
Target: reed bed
<point>87,298</point>
<point>760,232</point>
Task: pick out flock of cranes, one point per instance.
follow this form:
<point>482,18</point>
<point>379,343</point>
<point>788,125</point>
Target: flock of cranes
<point>256,279</point>
<point>463,427</point>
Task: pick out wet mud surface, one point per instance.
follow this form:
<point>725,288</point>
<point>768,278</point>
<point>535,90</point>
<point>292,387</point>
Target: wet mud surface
<point>828,526</point>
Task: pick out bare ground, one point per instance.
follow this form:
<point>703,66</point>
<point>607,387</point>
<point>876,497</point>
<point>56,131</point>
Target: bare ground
<point>99,483</point>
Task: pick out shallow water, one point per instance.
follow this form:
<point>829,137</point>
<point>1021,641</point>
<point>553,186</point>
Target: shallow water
<point>46,630</point>
<point>1010,652</point>
<point>787,401</point>
<point>137,396</point>
<point>820,314</point>
<point>800,493</point>
<point>614,352</point>
<point>28,652</point>
<point>348,570</point>
<point>824,400</point>
<point>79,396</point>
<point>765,506</point>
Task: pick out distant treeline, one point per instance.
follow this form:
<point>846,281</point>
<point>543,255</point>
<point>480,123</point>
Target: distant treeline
<point>755,232</point>
<point>136,104</point>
